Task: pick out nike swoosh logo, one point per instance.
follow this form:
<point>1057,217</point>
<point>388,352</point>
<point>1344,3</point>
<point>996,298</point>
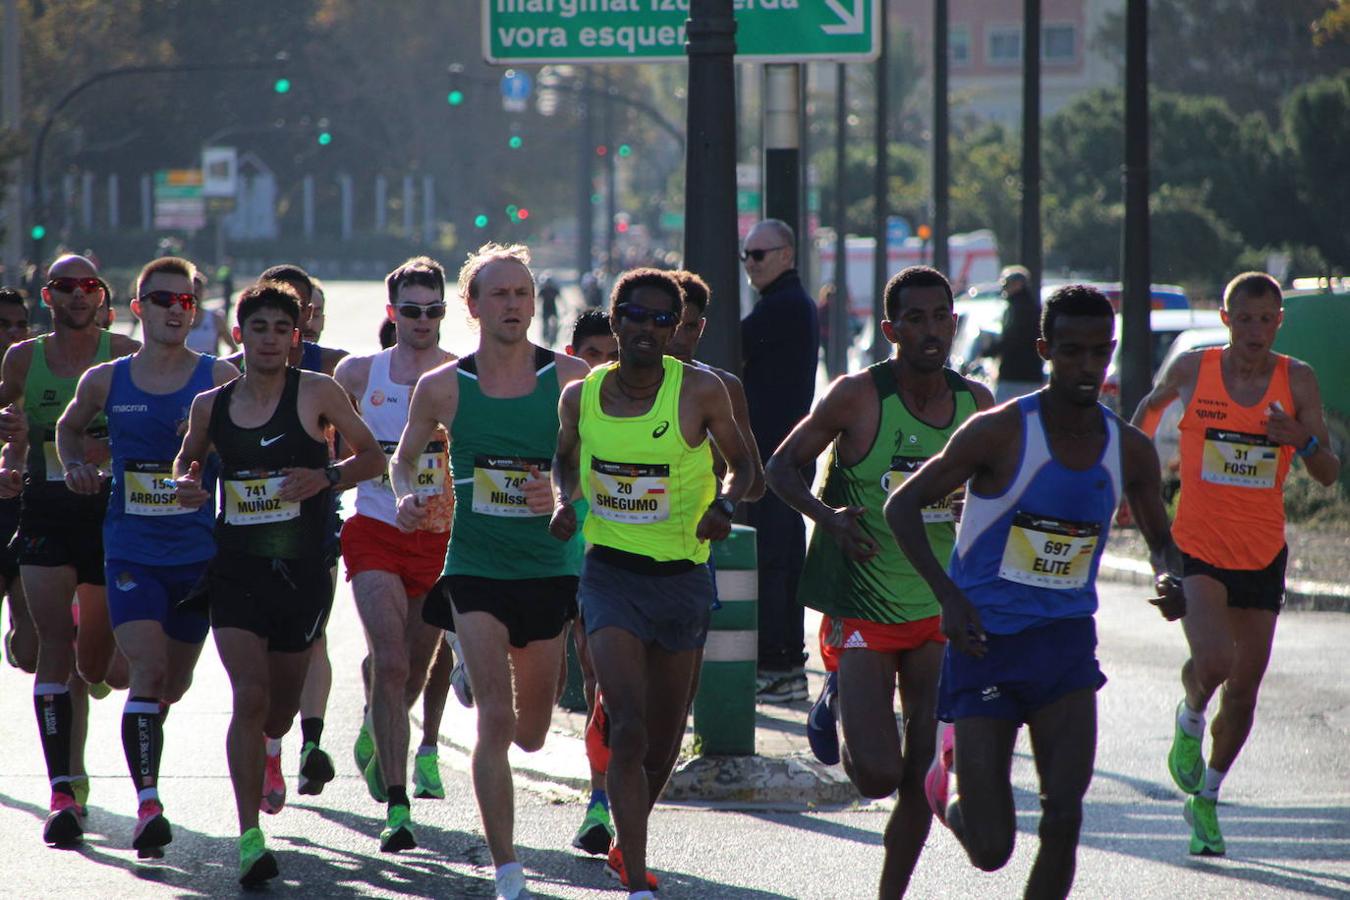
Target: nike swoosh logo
<point>267,442</point>
<point>315,630</point>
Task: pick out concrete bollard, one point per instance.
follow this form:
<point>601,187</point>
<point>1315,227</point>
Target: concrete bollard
<point>574,693</point>
<point>724,708</point>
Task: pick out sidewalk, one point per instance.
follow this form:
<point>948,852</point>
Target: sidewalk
<point>1299,594</point>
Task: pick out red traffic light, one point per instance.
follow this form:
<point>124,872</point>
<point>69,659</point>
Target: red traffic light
<point>522,213</point>
<point>601,150</point>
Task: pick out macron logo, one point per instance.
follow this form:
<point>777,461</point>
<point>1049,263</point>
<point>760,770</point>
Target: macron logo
<point>267,442</point>
<point>129,408</point>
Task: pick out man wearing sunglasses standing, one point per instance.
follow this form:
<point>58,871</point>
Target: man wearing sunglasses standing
<point>513,587</point>
<point>780,345</point>
<point>60,536</point>
<point>639,431</point>
<point>156,550</point>
<point>391,569</point>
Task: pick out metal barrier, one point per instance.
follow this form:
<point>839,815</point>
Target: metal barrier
<point>724,708</point>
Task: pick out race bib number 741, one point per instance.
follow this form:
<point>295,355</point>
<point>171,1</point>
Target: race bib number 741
<point>251,499</point>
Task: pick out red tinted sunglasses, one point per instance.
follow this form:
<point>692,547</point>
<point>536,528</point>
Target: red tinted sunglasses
<point>68,285</point>
<point>166,299</point>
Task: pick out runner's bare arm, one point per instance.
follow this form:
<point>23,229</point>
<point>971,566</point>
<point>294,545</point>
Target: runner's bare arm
<point>740,411</point>
<point>91,394</point>
<point>566,476</point>
<point>984,398</point>
<point>711,395</point>
<point>1143,490</point>
<point>1177,380</point>
<point>222,372</point>
<point>121,345</point>
<point>329,359</point>
<point>353,374</point>
<point>1307,422</point>
<point>435,398</point>
<point>223,331</point>
<point>829,420</point>
<point>187,465</point>
<point>13,422</point>
<point>323,404</point>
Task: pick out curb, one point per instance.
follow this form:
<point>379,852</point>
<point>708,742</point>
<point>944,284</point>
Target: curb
<point>1299,594</point>
<point>784,782</point>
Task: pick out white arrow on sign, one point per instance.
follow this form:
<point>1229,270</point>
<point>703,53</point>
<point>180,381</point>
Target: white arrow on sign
<point>849,23</point>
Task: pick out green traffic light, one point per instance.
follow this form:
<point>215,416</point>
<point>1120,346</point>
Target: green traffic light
<point>281,85</point>
<point>512,210</point>
<point>480,221</point>
<point>596,199</point>
<point>39,232</point>
<point>455,97</point>
<point>325,138</point>
<point>515,142</point>
<point>625,150</point>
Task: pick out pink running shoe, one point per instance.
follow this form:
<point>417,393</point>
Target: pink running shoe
<point>274,786</point>
<point>935,783</point>
<point>65,825</point>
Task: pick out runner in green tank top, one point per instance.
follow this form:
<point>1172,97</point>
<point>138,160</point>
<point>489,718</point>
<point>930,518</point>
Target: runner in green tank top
<point>881,620</point>
<point>60,534</point>
<point>512,587</point>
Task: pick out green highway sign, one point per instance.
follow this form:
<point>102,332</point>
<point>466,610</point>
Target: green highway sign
<point>580,31</point>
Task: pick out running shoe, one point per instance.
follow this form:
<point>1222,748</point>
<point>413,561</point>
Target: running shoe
<point>596,833</point>
<point>80,787</point>
<point>459,681</point>
<point>511,885</point>
<point>781,687</point>
<point>1203,817</point>
<point>397,834</point>
<point>597,737</point>
<point>427,777</point>
<point>1185,761</point>
<point>152,831</point>
<point>936,784</point>
<point>364,749</point>
<point>100,690</point>
<point>274,786</point>
<point>614,866</point>
<point>316,768</point>
<point>9,648</point>
<point>256,862</point>
<point>822,730</point>
<point>375,781</point>
<point>65,825</point>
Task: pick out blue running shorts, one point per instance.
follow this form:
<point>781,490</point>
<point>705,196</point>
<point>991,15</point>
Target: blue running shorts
<point>137,592</point>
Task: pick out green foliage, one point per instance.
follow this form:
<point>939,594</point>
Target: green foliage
<point>1317,128</point>
<point>986,185</point>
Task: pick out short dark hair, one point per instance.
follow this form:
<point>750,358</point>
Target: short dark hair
<point>591,323</point>
<point>913,277</point>
<point>1074,300</point>
<point>421,271</point>
<point>696,290</point>
<point>630,281</point>
<point>1253,284</point>
<point>280,295</point>
<point>388,334</point>
<point>296,277</point>
<point>14,295</point>
<point>170,265</point>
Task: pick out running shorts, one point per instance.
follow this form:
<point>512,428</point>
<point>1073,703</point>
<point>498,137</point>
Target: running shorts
<point>283,601</point>
<point>47,543</point>
<point>670,610</point>
<point>1247,589</point>
<point>139,592</point>
<point>369,545</point>
<point>840,634</point>
<point>532,609</point>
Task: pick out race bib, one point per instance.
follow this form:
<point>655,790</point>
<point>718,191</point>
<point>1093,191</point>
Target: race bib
<point>431,466</point>
<point>904,466</point>
<point>55,471</point>
<point>148,489</point>
<point>251,498</point>
<point>497,481</point>
<point>630,492</point>
<point>1049,553</point>
<point>1238,459</point>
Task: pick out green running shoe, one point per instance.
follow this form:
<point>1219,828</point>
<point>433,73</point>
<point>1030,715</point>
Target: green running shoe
<point>427,777</point>
<point>397,834</point>
<point>316,768</point>
<point>256,862</point>
<point>1184,760</point>
<point>596,832</point>
<point>375,781</point>
<point>1201,815</point>
<point>364,750</point>
<point>80,787</point>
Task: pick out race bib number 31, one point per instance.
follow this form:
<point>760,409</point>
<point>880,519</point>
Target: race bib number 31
<point>1049,553</point>
<point>1242,460</point>
<point>251,499</point>
<point>497,481</point>
<point>635,493</point>
<point>149,489</point>
<point>904,466</point>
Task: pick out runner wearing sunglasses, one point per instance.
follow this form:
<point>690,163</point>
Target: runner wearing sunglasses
<point>156,550</point>
<point>512,587</point>
<point>634,438</point>
<point>391,570</point>
<point>60,536</point>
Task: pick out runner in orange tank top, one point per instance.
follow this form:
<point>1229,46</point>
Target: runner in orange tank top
<point>1248,412</point>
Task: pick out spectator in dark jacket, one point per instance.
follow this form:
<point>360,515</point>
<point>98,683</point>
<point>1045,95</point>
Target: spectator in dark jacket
<point>1020,367</point>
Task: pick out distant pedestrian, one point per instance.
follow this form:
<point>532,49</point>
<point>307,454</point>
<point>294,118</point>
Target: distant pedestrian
<point>548,309</point>
<point>1020,368</point>
<point>780,345</point>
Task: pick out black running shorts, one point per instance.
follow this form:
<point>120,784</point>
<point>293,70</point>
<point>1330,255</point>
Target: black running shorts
<point>532,609</point>
<point>284,601</point>
<point>1247,589</point>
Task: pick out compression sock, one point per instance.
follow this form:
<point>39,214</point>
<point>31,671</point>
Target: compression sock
<point>311,730</point>
<point>398,795</point>
<point>143,743</point>
<point>598,795</point>
<point>54,717</point>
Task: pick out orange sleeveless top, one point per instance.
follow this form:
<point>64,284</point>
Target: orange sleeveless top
<point>1231,511</point>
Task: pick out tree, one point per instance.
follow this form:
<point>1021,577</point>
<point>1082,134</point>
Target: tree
<point>1317,128</point>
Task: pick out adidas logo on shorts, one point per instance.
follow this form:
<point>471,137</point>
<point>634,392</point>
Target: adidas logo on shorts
<point>855,641</point>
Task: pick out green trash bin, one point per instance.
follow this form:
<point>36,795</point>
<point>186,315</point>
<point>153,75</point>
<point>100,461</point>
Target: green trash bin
<point>724,708</point>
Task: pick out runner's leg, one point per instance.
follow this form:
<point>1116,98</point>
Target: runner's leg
<point>988,819</point>
<point>910,822</point>
<point>1064,742</point>
<point>1254,633</point>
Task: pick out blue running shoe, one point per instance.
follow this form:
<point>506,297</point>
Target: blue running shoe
<point>822,731</point>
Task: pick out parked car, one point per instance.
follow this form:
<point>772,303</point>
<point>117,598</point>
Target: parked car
<point>1164,325</point>
<point>1167,439</point>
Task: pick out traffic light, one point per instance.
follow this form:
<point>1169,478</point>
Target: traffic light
<point>522,214</point>
<point>601,150</point>
<point>325,138</point>
<point>282,85</point>
<point>621,221</point>
<point>511,211</point>
<point>625,151</point>
<point>455,97</point>
<point>514,142</point>
<point>480,221</point>
<point>38,232</point>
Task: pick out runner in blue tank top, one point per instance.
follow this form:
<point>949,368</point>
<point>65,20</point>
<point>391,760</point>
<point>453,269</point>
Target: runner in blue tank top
<point>155,549</point>
<point>1046,473</point>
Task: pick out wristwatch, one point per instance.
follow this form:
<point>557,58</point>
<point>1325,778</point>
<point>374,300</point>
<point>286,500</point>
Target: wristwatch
<point>725,504</point>
<point>331,472</point>
<point>1308,449</point>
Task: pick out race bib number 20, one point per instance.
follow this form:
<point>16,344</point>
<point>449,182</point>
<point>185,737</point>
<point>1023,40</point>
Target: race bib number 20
<point>635,493</point>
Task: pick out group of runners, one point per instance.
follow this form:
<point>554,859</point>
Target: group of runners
<point>513,496</point>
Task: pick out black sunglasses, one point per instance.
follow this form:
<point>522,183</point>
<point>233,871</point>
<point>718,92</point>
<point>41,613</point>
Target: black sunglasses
<point>416,310</point>
<point>166,299</point>
<point>68,285</point>
<point>661,318</point>
<point>758,255</point>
